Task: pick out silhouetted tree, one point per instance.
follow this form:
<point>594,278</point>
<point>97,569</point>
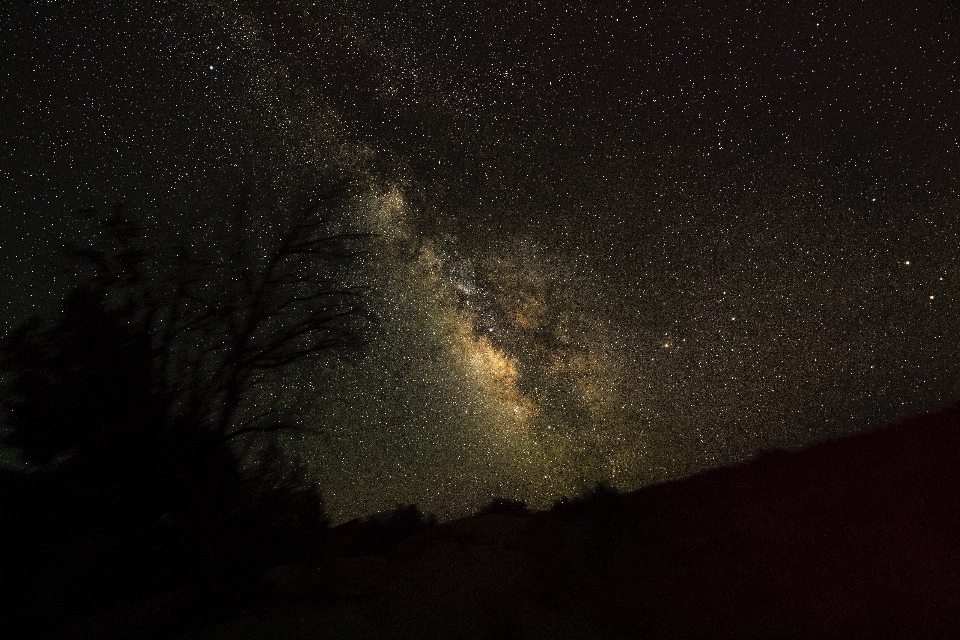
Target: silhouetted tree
<point>131,399</point>
<point>228,311</point>
<point>173,358</point>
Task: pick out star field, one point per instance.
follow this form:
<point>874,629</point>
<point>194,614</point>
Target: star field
<point>615,242</point>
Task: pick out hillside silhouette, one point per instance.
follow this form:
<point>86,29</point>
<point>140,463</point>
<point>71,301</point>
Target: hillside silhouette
<point>855,537</point>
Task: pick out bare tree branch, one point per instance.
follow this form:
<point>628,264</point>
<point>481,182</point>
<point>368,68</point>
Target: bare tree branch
<point>227,314</point>
<point>270,428</point>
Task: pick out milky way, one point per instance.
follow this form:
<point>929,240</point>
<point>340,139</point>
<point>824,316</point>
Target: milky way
<point>611,243</point>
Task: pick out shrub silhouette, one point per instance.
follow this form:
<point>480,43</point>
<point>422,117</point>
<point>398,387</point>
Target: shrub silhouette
<point>505,506</point>
<point>379,534</point>
<point>130,406</point>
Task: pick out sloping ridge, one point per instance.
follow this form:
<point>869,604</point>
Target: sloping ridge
<point>857,537</point>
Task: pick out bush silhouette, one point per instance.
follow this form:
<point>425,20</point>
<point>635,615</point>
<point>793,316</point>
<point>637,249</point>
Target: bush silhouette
<point>505,506</point>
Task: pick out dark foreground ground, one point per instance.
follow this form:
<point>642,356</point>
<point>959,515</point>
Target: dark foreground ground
<point>852,538</point>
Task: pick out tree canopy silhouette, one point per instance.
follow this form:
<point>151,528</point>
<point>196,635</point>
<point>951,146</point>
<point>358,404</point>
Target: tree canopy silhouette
<point>131,400</point>
<point>187,340</point>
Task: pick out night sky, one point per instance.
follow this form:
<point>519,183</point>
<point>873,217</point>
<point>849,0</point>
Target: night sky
<point>615,242</point>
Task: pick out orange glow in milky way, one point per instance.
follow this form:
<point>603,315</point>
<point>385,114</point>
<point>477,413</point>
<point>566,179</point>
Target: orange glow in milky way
<point>496,374</point>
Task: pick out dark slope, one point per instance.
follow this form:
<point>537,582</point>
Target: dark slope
<point>854,537</point>
<point>857,537</point>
